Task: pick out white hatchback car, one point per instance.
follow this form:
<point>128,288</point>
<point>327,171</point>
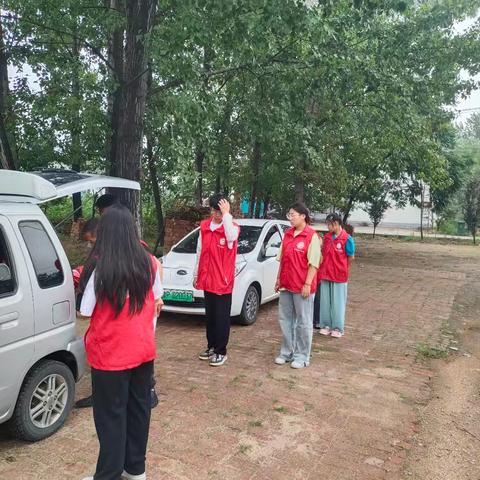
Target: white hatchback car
<point>255,271</point>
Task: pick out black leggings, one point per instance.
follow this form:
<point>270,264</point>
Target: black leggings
<point>121,411</point>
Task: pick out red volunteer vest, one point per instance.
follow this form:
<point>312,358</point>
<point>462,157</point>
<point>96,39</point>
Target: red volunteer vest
<point>294,261</point>
<point>334,266</point>
<point>122,342</point>
<point>216,269</point>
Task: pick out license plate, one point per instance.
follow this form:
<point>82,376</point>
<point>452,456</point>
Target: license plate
<point>178,295</point>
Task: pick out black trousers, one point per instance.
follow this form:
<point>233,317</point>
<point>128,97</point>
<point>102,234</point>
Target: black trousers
<point>121,411</point>
<point>217,309</point>
<point>316,307</point>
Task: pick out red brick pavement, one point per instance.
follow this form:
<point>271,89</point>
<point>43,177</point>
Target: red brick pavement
<point>350,415</point>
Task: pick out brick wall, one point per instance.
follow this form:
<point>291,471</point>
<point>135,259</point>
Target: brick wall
<point>175,230</point>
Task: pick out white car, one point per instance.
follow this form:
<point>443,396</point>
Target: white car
<point>255,271</point>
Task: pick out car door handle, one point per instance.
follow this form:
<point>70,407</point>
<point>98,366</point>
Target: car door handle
<point>9,320</point>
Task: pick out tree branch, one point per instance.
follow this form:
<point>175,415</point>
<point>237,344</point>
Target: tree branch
<point>93,48</point>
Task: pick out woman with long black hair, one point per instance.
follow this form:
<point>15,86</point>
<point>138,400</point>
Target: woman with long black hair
<point>122,295</point>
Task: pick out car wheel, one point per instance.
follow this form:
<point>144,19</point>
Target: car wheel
<point>44,402</point>
<point>250,307</point>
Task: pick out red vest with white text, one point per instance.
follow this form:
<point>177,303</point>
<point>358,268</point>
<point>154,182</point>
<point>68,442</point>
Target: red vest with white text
<point>216,268</point>
<point>334,266</point>
<point>294,262</point>
<point>122,342</point>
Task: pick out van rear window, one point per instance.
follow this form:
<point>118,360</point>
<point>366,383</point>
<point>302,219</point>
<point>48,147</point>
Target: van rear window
<point>46,263</point>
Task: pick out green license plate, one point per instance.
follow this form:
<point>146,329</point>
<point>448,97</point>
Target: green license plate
<point>178,295</point>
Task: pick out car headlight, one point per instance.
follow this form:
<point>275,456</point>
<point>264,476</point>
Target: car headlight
<point>239,267</point>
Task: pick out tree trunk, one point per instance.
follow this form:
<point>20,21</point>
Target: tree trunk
<point>199,158</point>
<point>116,58</point>
<point>7,158</point>
<point>140,16</point>
<point>266,205</point>
<point>75,131</point>
<point>256,161</point>
<point>346,214</point>
<point>421,212</point>
<point>374,229</point>
<point>152,170</point>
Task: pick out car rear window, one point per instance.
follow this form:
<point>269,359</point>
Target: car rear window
<point>46,263</point>
<point>247,240</point>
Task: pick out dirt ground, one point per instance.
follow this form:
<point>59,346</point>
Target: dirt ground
<point>370,406</point>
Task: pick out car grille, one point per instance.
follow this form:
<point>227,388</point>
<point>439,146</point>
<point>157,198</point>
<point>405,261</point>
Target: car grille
<point>197,303</point>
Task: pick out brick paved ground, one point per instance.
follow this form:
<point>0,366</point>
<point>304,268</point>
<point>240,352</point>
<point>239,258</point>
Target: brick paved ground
<point>350,415</point>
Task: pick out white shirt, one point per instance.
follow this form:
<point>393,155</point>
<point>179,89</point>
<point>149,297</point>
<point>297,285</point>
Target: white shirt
<point>89,299</point>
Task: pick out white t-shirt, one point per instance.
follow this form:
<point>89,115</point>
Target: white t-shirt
<point>89,299</point>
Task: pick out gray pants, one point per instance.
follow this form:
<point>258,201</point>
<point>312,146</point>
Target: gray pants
<point>295,315</point>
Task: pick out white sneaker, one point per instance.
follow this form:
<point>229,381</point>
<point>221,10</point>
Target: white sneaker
<point>298,364</point>
<point>325,331</point>
<point>336,333</point>
<point>129,476</point>
<point>280,360</point>
<point>88,478</point>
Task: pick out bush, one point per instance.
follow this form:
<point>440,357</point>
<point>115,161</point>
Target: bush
<point>447,226</point>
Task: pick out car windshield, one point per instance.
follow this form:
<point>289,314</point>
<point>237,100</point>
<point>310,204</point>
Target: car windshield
<point>246,241</point>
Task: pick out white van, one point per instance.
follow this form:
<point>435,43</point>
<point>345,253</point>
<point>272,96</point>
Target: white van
<point>41,356</point>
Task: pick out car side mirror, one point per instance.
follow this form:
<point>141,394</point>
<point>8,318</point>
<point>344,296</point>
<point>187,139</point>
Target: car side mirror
<point>271,252</point>
<point>5,273</point>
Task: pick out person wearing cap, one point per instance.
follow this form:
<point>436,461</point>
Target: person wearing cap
<point>215,274</point>
<point>338,253</point>
<point>300,257</point>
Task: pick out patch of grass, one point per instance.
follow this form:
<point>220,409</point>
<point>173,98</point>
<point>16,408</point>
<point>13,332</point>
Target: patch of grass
<point>255,423</point>
<point>280,409</point>
<point>192,388</point>
<point>244,449</point>
<point>427,351</point>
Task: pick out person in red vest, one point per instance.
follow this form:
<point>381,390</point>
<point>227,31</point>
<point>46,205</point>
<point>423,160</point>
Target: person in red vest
<point>338,253</point>
<point>215,274</point>
<point>122,296</point>
<point>89,234</point>
<point>297,281</point>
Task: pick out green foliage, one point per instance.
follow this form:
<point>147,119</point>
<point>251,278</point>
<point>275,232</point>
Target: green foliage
<point>377,207</point>
<point>427,351</point>
<point>340,97</point>
<point>471,205</point>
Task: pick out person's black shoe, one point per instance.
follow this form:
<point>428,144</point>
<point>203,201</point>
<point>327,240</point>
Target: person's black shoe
<point>84,402</point>
<point>153,398</point>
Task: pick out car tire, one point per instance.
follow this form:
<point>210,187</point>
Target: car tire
<point>44,401</point>
<point>251,304</point>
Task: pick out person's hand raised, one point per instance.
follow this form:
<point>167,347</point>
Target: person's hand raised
<point>224,206</point>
